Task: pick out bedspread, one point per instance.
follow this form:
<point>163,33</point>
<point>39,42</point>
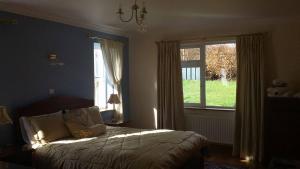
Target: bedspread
<point>122,148</point>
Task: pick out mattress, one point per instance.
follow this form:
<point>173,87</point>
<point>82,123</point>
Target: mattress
<point>122,148</point>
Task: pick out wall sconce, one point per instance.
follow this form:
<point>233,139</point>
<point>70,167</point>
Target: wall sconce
<point>54,60</point>
<point>4,117</point>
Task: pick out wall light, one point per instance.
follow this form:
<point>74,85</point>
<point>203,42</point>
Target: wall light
<point>4,117</point>
<point>53,59</point>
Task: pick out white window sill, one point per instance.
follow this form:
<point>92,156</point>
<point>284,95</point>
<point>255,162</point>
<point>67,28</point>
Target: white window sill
<point>210,108</point>
<point>210,113</point>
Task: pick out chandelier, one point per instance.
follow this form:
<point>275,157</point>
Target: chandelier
<point>137,13</point>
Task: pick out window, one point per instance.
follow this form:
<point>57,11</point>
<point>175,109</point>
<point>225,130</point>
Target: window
<point>209,73</point>
<point>103,87</point>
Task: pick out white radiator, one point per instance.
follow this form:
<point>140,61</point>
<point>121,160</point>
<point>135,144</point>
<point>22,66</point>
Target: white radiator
<point>216,129</point>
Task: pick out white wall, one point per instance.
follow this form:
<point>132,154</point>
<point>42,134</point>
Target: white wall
<point>282,61</point>
<point>286,54</point>
<point>143,77</point>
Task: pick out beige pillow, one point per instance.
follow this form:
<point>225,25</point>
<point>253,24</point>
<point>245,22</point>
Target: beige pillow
<point>81,131</point>
<point>49,127</point>
<point>95,115</point>
<point>86,116</point>
<point>78,116</point>
<point>98,129</point>
<point>84,122</point>
<point>78,130</point>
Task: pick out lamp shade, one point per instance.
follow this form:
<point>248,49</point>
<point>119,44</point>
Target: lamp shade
<point>114,99</point>
<point>4,118</point>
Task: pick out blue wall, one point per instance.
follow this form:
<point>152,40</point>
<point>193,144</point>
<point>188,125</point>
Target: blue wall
<point>25,73</point>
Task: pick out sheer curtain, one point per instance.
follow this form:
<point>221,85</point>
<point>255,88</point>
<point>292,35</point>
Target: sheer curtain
<point>112,52</point>
<point>169,86</point>
<point>248,140</point>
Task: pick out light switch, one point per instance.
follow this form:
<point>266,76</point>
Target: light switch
<point>51,91</point>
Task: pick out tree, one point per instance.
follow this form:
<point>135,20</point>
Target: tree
<point>221,58</point>
<point>190,54</point>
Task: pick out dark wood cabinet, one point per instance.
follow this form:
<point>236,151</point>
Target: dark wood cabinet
<point>282,128</point>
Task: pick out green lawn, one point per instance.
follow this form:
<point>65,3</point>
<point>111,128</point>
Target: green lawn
<point>217,93</point>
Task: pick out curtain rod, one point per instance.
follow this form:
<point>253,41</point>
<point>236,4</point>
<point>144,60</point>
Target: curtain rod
<point>220,37</point>
<point>208,38</point>
<point>91,36</point>
<point>96,38</point>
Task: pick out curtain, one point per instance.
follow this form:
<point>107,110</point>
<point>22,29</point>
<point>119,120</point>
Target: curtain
<point>112,52</point>
<point>170,111</point>
<point>248,140</point>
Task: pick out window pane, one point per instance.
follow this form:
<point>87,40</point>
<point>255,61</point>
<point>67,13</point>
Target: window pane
<point>103,88</point>
<point>190,59</point>
<point>190,54</point>
<point>191,89</point>
<point>221,72</point>
<point>100,99</point>
<point>98,59</point>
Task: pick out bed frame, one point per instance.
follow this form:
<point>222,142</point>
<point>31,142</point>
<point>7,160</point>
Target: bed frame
<point>54,104</point>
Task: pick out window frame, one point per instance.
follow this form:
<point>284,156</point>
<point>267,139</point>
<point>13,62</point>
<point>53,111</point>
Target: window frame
<point>202,47</point>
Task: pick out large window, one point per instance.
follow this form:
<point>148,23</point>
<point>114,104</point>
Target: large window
<point>103,87</point>
<point>209,75</point>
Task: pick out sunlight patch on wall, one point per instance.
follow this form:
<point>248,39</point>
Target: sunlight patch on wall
<point>155,118</point>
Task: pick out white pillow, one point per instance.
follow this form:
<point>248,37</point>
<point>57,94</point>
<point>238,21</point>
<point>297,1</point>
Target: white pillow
<point>26,130</point>
<point>49,127</point>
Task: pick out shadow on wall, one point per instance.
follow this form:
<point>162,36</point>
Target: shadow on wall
<point>155,118</point>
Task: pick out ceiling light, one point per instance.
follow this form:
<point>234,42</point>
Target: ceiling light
<point>137,13</point>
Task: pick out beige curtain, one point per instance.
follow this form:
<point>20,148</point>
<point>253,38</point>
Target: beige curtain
<point>170,112</point>
<point>112,52</point>
<point>248,140</point>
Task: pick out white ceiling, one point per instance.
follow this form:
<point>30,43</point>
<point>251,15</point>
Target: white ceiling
<point>169,15</point>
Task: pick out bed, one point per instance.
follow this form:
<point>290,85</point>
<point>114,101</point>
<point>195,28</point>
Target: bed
<point>117,148</point>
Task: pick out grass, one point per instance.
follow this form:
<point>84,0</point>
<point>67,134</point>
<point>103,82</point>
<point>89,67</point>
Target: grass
<point>217,93</point>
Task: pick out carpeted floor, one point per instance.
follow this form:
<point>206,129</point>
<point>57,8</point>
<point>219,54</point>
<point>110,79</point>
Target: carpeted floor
<point>212,165</point>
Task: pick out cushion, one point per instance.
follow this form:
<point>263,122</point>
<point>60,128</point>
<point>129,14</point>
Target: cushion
<point>87,116</point>
<point>49,127</point>
<point>79,130</point>
<point>95,114</point>
<point>98,129</point>
<point>84,122</point>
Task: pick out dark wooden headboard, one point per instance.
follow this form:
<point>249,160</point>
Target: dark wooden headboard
<point>53,104</point>
<point>50,105</point>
